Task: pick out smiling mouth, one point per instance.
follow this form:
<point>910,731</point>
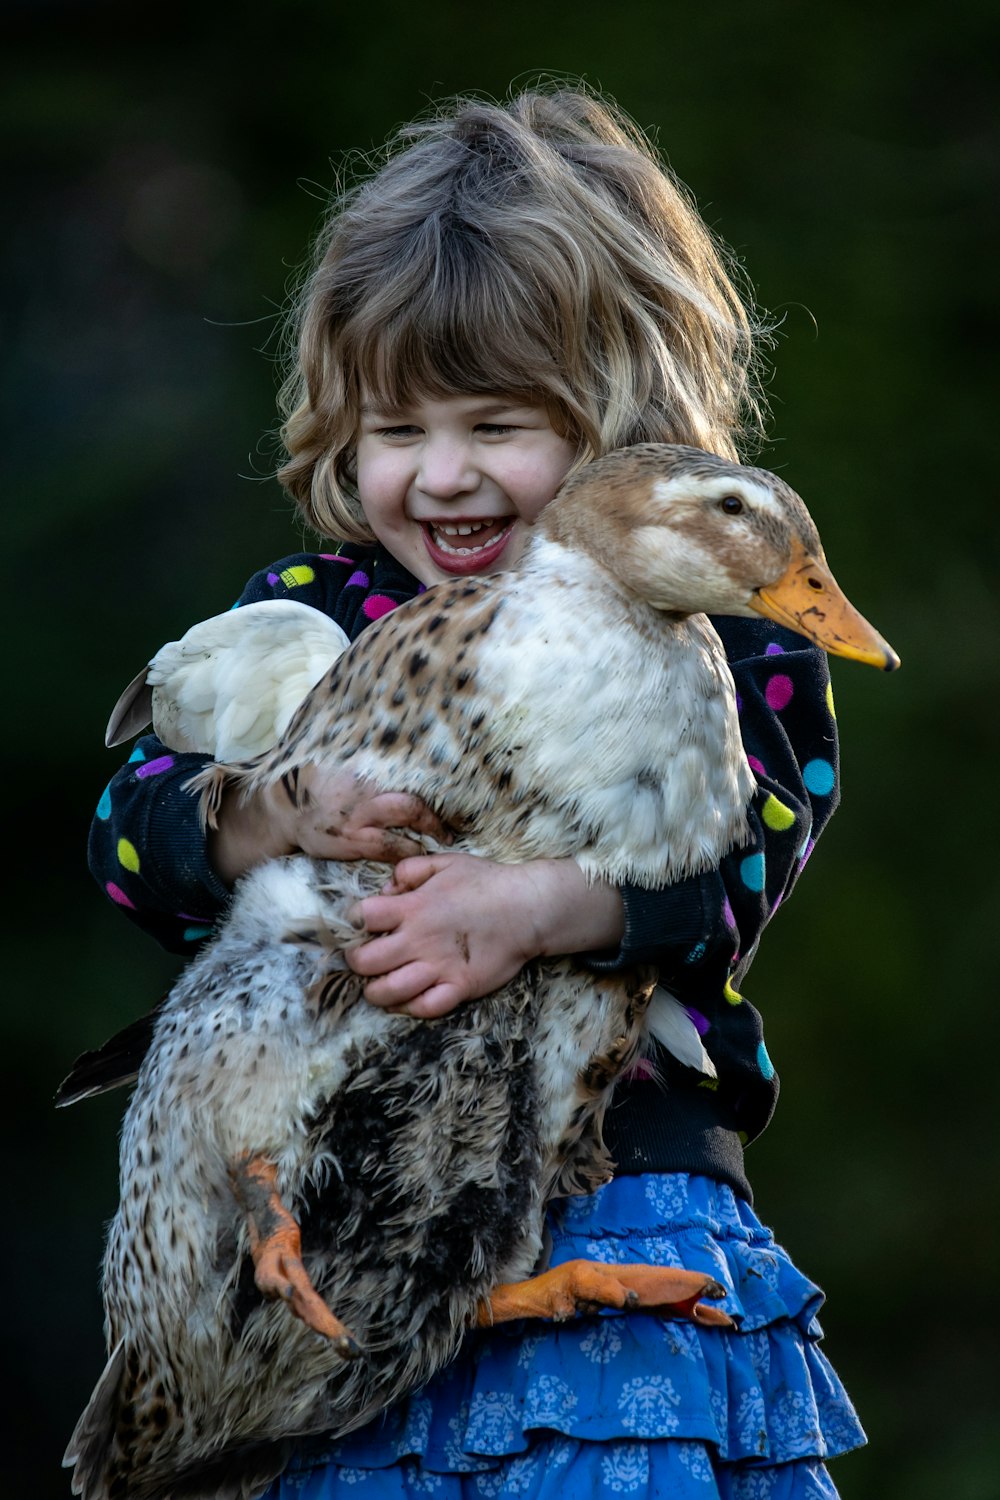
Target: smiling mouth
<point>466,538</point>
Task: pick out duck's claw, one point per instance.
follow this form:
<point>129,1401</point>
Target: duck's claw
<point>585,1286</point>
<point>276,1248</point>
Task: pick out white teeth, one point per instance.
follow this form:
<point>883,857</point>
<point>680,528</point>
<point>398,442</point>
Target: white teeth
<point>442,532</point>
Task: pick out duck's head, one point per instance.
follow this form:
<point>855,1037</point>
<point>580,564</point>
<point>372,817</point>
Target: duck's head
<point>689,532</point>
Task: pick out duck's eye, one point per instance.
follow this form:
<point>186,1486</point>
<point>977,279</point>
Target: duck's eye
<point>731,504</point>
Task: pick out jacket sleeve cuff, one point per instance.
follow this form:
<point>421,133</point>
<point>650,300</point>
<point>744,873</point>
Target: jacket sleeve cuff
<point>663,926</point>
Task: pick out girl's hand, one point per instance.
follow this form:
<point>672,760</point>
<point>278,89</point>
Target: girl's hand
<point>335,815</point>
<point>453,927</point>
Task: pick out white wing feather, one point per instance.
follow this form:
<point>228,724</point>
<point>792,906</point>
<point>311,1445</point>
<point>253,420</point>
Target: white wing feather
<point>229,687</point>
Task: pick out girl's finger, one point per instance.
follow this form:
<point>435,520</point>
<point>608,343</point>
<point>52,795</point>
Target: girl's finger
<point>377,914</point>
<point>371,960</point>
<point>439,1000</point>
<point>401,810</point>
<point>386,845</point>
<point>410,874</point>
<point>398,988</point>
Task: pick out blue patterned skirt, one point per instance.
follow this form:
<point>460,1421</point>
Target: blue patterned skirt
<point>621,1404</point>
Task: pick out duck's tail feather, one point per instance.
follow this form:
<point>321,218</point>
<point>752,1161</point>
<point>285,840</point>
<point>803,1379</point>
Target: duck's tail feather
<point>89,1447</point>
<point>103,1465</point>
<point>234,1474</point>
<point>132,713</point>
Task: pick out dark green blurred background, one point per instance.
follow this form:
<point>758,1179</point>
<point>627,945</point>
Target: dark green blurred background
<point>162,187</point>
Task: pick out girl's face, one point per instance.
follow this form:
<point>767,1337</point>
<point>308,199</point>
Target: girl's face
<point>449,484</point>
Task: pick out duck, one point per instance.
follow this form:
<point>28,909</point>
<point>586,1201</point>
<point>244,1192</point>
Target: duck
<point>229,687</point>
<point>319,1197</point>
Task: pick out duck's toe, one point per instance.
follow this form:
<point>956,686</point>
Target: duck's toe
<point>276,1247</point>
<point>584,1286</point>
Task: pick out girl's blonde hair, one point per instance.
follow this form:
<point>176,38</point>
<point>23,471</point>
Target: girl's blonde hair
<point>538,249</point>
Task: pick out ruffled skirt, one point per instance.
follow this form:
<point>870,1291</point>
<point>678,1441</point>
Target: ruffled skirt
<point>621,1404</point>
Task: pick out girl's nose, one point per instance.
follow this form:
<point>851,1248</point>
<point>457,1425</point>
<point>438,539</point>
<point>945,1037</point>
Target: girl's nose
<point>447,469</point>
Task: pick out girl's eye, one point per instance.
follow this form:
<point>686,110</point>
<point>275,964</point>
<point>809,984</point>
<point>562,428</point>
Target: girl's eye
<point>403,430</point>
<point>731,504</point>
<point>496,429</point>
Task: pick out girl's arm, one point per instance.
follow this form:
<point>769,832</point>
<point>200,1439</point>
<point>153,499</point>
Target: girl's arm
<point>153,858</point>
<point>147,848</point>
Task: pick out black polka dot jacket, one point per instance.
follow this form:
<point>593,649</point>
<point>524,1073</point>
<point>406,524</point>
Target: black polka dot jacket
<point>148,853</point>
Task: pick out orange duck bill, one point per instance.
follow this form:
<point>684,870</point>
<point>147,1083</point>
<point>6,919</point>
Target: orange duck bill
<point>808,598</point>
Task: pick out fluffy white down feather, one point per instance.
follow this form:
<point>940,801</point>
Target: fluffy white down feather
<point>229,687</point>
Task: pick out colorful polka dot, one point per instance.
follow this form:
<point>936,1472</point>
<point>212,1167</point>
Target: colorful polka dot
<point>807,845</point>
<point>336,557</point>
<point>137,754</point>
<point>696,955</point>
<point>195,934</point>
<point>819,777</point>
<point>742,1137</point>
<point>776,815</point>
<point>128,856</point>
<point>358,580</point>
<point>733,996</point>
<point>779,691</point>
<point>752,872</point>
<point>764,1063</point>
<point>377,605</point>
<point>756,766</point>
<point>294,578</point>
<point>640,1070</point>
<point>700,1021</point>
<point>727,914</point>
<point>118,895</point>
<point>154,767</point>
<point>739,703</point>
<point>104,806</point>
<point>708,1083</point>
<point>829,699</point>
<point>774,649</point>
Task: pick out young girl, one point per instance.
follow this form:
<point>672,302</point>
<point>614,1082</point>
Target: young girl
<point>517,290</point>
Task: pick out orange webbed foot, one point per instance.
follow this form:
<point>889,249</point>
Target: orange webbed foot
<point>585,1286</point>
<point>276,1248</point>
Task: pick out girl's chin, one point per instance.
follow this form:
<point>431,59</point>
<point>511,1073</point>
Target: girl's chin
<point>462,562</point>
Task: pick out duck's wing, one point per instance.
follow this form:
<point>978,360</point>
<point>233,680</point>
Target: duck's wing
<point>114,1065</point>
<point>230,685</point>
<point>252,684</point>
